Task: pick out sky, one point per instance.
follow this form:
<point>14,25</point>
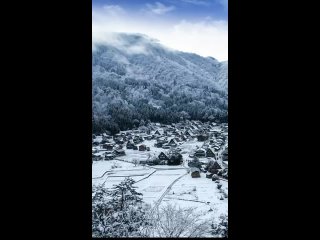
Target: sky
<point>197,26</point>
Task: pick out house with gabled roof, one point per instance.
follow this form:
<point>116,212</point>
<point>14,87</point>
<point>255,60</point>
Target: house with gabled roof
<point>172,143</point>
<point>163,156</point>
<point>157,132</point>
<point>214,168</point>
<point>210,153</point>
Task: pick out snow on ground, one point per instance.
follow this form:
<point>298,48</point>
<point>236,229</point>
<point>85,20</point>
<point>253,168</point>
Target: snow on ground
<point>156,185</point>
<point>100,167</point>
<point>201,193</point>
<point>106,172</point>
<point>159,183</point>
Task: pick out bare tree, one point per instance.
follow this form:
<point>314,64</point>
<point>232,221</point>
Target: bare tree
<point>172,221</point>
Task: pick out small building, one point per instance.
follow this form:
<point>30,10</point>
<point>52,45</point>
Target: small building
<point>172,143</point>
<point>142,147</point>
<point>96,157</point>
<point>189,134</point>
<point>163,156</point>
<point>166,146</point>
<point>157,133</point>
<point>194,163</point>
<point>119,141</point>
<point>214,168</point>
<point>158,144</point>
<point>149,137</point>
<point>109,156</point>
<point>130,145</point>
<point>195,172</point>
<point>108,146</point>
<point>119,152</point>
<point>200,153</point>
<point>202,137</point>
<point>210,153</point>
<point>175,159</point>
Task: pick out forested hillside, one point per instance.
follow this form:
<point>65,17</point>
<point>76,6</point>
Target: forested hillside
<point>136,80</point>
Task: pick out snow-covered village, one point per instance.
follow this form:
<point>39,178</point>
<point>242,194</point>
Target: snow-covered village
<point>179,169</point>
<point>159,119</point>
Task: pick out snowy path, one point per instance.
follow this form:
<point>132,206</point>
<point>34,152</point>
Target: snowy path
<point>167,190</point>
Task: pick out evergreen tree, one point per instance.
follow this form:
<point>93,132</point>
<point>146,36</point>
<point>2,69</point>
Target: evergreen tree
<point>119,212</point>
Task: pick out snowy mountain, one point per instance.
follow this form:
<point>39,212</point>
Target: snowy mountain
<point>132,72</point>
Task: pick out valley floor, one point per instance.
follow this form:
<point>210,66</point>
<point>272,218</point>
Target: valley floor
<point>162,184</point>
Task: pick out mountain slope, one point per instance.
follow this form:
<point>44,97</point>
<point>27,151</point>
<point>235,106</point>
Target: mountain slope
<point>135,77</point>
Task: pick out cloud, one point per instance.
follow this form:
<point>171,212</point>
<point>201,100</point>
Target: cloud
<point>100,36</point>
<point>207,37</point>
<point>114,10</point>
<point>159,8</point>
<point>197,2</point>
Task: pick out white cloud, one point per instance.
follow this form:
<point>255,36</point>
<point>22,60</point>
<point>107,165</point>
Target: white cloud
<point>198,2</point>
<point>159,8</point>
<point>206,38</point>
<point>113,10</point>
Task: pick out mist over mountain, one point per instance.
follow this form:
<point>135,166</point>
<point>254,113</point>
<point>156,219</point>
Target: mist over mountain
<point>136,79</point>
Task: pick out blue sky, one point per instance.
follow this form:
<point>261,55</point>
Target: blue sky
<point>198,26</point>
<point>191,9</point>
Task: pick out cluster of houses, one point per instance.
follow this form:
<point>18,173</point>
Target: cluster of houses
<point>212,169</point>
<point>213,136</point>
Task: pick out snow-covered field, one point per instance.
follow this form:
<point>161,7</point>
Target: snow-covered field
<point>157,183</point>
<point>163,184</point>
<point>201,193</point>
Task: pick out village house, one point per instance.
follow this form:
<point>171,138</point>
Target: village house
<point>172,143</point>
<point>119,140</point>
<point>142,147</point>
<point>210,153</point>
<point>214,168</point>
<point>163,156</point>
<point>158,144</point>
<point>200,153</point>
<point>194,163</point>
<point>96,157</point>
<point>109,156</point>
<point>189,134</point>
<point>183,138</point>
<point>157,133</point>
<point>195,172</point>
<point>202,137</point>
<point>166,146</point>
<point>175,158</point>
<point>108,146</point>
<point>130,145</point>
<point>119,152</point>
<point>149,137</point>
